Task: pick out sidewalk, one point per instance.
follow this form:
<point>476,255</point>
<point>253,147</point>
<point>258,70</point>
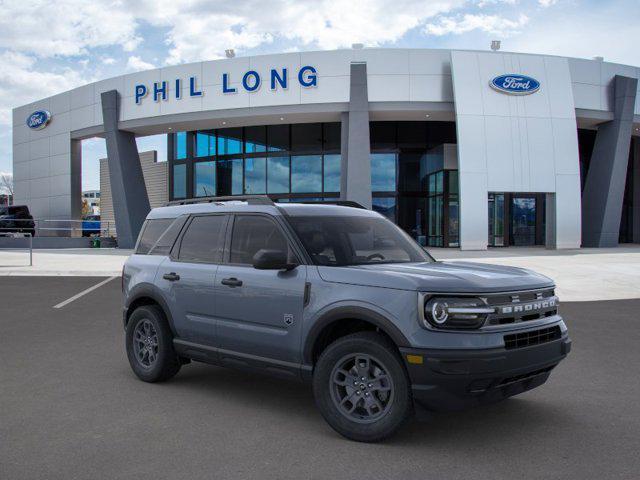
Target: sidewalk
<point>581,275</point>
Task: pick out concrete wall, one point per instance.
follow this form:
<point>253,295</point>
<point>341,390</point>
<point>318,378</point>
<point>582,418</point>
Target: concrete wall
<point>156,179</point>
<point>509,143</point>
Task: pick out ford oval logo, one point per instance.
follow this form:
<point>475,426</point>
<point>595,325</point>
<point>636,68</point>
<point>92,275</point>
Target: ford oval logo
<point>515,84</point>
<point>38,119</point>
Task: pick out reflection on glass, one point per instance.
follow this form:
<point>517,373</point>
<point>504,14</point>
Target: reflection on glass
<point>205,179</point>
<point>496,219</point>
<point>383,172</point>
<point>278,175</point>
<point>386,207</point>
<point>255,139</point>
<point>180,181</point>
<point>306,173</point>
<point>205,143</point>
<point>255,175</point>
<point>306,137</point>
<point>180,146</point>
<point>230,177</point>
<point>434,206</point>
<point>332,173</point>
<point>331,136</point>
<point>278,138</point>
<point>229,141</point>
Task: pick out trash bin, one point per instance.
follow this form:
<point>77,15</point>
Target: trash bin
<point>95,242</point>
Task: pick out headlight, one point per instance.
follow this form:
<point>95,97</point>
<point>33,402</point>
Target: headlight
<point>451,312</point>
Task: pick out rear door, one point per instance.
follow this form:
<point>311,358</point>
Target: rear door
<point>259,312</point>
<point>187,278</point>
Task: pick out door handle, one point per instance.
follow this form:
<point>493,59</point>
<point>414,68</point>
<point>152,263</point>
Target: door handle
<point>172,277</point>
<point>231,282</point>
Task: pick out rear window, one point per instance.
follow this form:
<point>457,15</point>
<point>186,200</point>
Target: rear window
<point>168,238</point>
<point>151,232</point>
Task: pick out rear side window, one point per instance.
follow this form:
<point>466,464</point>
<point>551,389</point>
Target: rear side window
<point>252,233</point>
<point>152,231</point>
<point>203,241</point>
<point>168,238</point>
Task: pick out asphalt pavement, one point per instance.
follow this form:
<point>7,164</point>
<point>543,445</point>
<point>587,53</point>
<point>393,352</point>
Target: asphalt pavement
<point>71,408</point>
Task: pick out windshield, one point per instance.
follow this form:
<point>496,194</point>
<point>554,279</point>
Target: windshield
<point>359,240</point>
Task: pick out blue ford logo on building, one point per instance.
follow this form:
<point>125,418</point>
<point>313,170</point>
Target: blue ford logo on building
<point>515,84</point>
<point>38,119</point>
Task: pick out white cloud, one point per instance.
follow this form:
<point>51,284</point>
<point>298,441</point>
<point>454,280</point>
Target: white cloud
<point>493,24</point>
<point>135,64</point>
<point>547,3</point>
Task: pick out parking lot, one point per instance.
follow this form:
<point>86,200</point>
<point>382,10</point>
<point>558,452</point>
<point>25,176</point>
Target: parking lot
<point>71,408</point>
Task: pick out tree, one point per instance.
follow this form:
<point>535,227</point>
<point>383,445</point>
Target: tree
<point>86,208</point>
<point>6,185</point>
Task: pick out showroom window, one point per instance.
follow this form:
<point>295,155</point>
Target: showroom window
<point>287,162</point>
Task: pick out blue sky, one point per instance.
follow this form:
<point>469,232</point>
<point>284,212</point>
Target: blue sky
<point>51,46</point>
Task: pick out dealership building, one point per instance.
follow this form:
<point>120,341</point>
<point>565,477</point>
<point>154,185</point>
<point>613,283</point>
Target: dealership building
<point>464,149</point>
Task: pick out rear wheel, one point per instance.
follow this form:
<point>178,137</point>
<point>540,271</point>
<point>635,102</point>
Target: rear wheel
<point>150,345</point>
<point>362,388</point>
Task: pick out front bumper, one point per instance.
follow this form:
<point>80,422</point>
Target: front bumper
<point>456,379</point>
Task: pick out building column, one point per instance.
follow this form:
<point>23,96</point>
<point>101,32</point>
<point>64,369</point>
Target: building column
<point>355,181</point>
<point>128,190</point>
<point>604,188</point>
<point>635,206</point>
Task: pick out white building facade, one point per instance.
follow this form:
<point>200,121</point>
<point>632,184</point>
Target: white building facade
<point>466,149</point>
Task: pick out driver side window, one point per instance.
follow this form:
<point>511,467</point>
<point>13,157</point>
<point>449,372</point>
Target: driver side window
<point>252,233</point>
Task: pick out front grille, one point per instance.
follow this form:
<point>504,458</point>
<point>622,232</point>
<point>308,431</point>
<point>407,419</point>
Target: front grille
<point>522,306</point>
<point>534,337</point>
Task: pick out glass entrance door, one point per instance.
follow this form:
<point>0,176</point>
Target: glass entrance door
<point>496,220</point>
<point>523,220</point>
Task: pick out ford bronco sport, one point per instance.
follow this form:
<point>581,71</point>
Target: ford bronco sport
<point>340,297</point>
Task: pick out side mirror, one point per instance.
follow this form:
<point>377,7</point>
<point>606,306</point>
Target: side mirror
<point>266,259</point>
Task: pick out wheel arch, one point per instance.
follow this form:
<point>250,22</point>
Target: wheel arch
<point>329,321</point>
<point>146,295</point>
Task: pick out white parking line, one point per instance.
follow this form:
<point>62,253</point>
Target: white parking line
<point>83,293</point>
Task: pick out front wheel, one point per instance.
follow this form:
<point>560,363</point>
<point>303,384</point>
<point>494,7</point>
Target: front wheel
<point>150,345</point>
<point>362,388</point>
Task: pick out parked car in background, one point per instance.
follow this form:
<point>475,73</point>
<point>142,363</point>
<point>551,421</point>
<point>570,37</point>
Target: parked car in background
<point>91,225</point>
<point>16,219</point>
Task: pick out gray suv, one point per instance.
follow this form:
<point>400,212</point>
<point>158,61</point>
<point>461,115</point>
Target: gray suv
<point>339,297</point>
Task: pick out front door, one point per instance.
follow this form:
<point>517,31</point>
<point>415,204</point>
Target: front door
<point>523,220</point>
<point>258,312</point>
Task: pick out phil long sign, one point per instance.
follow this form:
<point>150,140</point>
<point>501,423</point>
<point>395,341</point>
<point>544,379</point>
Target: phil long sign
<point>515,84</point>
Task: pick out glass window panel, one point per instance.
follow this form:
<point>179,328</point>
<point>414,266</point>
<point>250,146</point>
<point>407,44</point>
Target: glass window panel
<point>252,233</point>
<point>386,207</point>
<point>383,172</point>
<point>332,164</point>
<point>205,179</point>
<point>153,229</point>
<point>383,135</point>
<point>412,134</point>
<point>306,173</point>
<point>278,138</point>
<point>205,144</point>
<point>412,175</point>
<point>180,146</point>
<point>229,141</point>
<point>306,137</point>
<point>229,175</point>
<point>204,239</point>
<point>411,217</point>
<point>453,182</point>
<point>278,175</point>
<point>332,132</point>
<point>255,175</point>
<point>180,181</point>
<point>255,139</point>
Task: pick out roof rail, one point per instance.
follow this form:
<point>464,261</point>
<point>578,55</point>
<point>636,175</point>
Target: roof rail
<point>250,199</point>
<point>342,203</point>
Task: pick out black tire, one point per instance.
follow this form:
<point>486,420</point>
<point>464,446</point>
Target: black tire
<point>165,362</point>
<point>331,387</point>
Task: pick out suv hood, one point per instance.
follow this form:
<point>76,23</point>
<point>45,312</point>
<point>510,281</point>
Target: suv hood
<point>441,277</point>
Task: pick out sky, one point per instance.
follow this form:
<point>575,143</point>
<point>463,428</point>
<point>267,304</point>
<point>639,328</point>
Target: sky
<point>47,47</point>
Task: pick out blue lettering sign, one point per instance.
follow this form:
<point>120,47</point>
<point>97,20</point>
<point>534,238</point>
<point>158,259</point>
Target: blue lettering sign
<point>38,119</point>
<point>275,77</point>
<point>225,84</point>
<point>157,90</point>
<point>141,92</point>
<point>515,84</point>
<point>192,88</point>
<point>311,80</point>
<point>256,81</point>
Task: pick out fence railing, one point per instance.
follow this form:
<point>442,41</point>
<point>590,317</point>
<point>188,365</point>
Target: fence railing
<point>58,228</point>
<point>21,235</point>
